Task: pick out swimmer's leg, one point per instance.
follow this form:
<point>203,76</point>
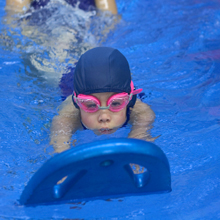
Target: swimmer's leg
<point>23,5</point>
<point>107,5</point>
<point>18,5</point>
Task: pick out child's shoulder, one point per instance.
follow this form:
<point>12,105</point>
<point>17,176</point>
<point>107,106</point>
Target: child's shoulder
<point>140,104</point>
<point>142,112</point>
<point>67,106</point>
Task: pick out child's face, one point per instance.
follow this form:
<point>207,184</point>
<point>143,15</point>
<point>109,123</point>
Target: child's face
<point>103,121</point>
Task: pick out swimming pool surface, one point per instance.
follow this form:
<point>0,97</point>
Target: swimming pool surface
<point>173,48</point>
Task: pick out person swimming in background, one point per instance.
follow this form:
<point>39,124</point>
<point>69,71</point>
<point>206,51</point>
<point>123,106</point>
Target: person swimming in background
<point>104,100</point>
<point>61,31</point>
<point>23,5</point>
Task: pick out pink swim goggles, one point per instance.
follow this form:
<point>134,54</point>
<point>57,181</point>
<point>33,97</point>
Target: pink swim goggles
<point>115,103</point>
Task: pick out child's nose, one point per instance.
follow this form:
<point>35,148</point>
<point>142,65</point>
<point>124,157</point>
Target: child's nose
<point>104,116</point>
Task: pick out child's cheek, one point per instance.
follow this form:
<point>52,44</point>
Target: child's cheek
<point>88,119</point>
<point>121,117</point>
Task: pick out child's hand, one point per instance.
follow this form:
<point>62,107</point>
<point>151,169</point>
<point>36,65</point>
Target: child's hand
<point>60,143</point>
<point>61,146</point>
<point>142,134</point>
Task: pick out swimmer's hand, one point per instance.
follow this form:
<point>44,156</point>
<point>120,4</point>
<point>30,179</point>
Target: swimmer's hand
<point>60,145</point>
<point>142,133</point>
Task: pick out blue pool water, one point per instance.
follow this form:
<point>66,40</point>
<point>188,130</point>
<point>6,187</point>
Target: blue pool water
<point>173,48</point>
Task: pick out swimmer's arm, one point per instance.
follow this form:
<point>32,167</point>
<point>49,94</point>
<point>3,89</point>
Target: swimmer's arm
<point>141,118</point>
<point>64,125</point>
<point>18,5</point>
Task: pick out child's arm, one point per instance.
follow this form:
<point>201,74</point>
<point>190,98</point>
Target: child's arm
<point>18,5</point>
<point>141,118</point>
<point>64,125</point>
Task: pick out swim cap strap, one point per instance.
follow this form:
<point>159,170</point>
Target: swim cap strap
<point>132,102</point>
<point>74,103</point>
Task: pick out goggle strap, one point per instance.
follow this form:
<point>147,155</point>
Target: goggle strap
<point>130,97</point>
<point>135,92</point>
<point>75,98</point>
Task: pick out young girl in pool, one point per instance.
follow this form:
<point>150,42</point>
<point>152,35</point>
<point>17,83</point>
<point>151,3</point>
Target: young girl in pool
<point>104,100</point>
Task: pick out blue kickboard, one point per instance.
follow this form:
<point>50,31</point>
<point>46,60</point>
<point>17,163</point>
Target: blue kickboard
<point>99,170</point>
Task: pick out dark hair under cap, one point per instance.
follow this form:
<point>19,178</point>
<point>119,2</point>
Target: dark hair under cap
<point>102,69</point>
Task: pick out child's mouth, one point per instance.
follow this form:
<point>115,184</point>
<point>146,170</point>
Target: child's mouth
<point>105,130</point>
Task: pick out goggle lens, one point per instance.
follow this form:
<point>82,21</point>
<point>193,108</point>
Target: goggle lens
<point>118,104</point>
<point>88,105</point>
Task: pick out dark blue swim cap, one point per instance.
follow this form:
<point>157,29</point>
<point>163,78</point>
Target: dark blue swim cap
<point>102,69</point>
